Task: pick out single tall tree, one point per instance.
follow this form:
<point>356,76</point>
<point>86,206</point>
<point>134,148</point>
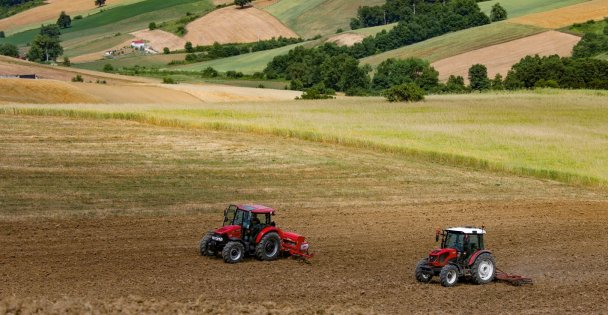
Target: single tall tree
<point>64,20</point>
<point>46,46</point>
<point>478,77</point>
<point>498,13</point>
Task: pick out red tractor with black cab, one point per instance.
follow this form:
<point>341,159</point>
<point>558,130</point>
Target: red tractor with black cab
<point>249,230</point>
<point>462,254</point>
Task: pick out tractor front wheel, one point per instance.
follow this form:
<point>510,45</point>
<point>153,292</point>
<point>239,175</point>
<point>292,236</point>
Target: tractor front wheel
<point>204,245</point>
<point>484,269</point>
<point>422,274</point>
<point>233,252</point>
<point>269,247</point>
<point>449,275</point>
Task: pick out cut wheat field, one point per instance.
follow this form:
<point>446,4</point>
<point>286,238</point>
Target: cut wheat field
<point>549,134</point>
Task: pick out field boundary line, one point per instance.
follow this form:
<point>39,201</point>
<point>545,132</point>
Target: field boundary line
<point>423,155</point>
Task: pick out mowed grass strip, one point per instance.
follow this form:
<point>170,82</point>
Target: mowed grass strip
<point>517,8</point>
<point>549,134</point>
<point>456,43</point>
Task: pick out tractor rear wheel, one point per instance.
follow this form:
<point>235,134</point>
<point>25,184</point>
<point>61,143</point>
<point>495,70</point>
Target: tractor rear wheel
<point>484,269</point>
<point>233,252</point>
<point>423,275</point>
<point>204,245</point>
<point>449,275</point>
<point>269,247</point>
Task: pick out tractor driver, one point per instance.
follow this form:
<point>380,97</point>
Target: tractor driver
<point>256,226</point>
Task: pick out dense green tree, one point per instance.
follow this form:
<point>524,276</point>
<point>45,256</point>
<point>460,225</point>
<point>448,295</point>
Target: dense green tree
<point>409,92</point>
<point>209,73</point>
<point>189,47</point>
<point>108,68</point>
<point>497,83</point>
<point>242,3</point>
<point>64,20</point>
<point>46,46</point>
<point>9,50</point>
<point>166,51</point>
<point>478,77</point>
<point>152,26</point>
<point>2,35</point>
<point>455,84</point>
<point>590,45</point>
<point>397,71</point>
<point>606,29</point>
<point>498,13</point>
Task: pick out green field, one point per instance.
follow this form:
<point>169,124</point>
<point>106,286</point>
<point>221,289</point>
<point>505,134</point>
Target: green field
<point>148,61</point>
<point>452,44</point>
<point>552,134</point>
<point>246,63</point>
<point>517,8</point>
<point>318,17</point>
<point>122,19</point>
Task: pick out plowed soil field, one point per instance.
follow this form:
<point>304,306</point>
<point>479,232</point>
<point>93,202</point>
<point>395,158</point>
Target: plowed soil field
<point>234,25</point>
<point>105,216</point>
<point>500,58</point>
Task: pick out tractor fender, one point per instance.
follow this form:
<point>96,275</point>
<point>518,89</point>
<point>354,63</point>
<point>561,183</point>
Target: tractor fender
<point>267,230</point>
<point>476,254</point>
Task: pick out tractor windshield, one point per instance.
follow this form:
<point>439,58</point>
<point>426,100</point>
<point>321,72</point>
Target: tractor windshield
<point>454,240</point>
<point>229,215</point>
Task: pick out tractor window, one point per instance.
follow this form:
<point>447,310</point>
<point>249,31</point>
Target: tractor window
<point>229,215</point>
<point>474,244</point>
<point>454,240</point>
<point>241,216</point>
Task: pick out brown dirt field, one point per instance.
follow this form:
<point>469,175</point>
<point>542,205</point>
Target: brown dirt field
<point>500,58</point>
<point>578,13</point>
<point>346,39</point>
<point>48,12</point>
<point>138,94</point>
<point>368,216</point>
<point>42,91</point>
<point>232,25</point>
<point>224,93</point>
<point>158,39</point>
<point>12,66</point>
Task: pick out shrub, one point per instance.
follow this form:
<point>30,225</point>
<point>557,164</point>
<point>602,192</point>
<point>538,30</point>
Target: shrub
<point>66,61</point>
<point>189,47</point>
<point>317,92</point>
<point>152,26</point>
<point>209,73</point>
<point>78,17</point>
<point>338,31</point>
<point>9,50</point>
<point>478,77</point>
<point>542,83</point>
<point>498,13</point>
<point>168,80</point>
<point>108,68</point>
<point>166,51</point>
<point>409,92</point>
<point>77,78</point>
<point>2,35</point>
<point>233,74</point>
<point>261,86</point>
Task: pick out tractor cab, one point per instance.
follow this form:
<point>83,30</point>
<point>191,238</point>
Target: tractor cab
<point>250,230</point>
<point>462,253</point>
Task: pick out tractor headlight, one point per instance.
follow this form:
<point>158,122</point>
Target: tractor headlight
<point>217,238</point>
<point>304,246</point>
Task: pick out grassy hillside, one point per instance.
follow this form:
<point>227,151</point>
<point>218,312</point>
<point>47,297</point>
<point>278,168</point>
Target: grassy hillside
<point>149,61</point>
<point>517,8</point>
<point>121,20</point>
<point>452,44</point>
<point>318,17</point>
<point>549,134</point>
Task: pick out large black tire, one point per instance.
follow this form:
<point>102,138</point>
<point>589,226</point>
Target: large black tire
<point>421,274</point>
<point>233,252</point>
<point>448,275</point>
<point>484,269</point>
<point>204,245</point>
<point>269,247</point>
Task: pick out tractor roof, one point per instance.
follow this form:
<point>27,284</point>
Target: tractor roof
<point>466,230</point>
<point>256,209</point>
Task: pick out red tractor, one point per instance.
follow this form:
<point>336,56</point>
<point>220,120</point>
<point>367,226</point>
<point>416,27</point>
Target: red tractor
<point>462,254</point>
<point>250,230</point>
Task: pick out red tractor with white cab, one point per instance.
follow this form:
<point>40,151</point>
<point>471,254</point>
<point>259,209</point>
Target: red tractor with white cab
<point>462,254</point>
<point>249,230</point>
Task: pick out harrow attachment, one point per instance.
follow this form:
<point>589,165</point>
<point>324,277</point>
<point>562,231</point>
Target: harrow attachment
<point>515,280</point>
